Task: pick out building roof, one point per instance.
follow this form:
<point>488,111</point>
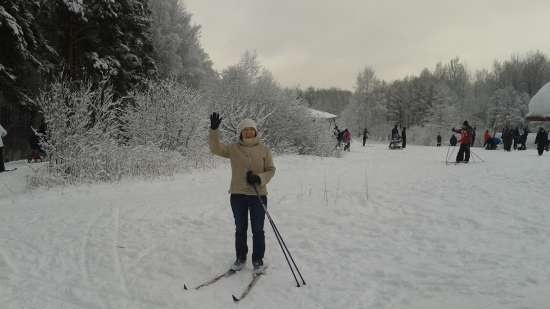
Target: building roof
<point>539,106</point>
<point>315,113</point>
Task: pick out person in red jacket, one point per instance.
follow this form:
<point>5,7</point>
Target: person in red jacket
<point>465,142</point>
<point>347,139</point>
<point>486,137</point>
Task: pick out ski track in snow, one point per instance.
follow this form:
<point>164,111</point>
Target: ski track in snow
<point>374,229</point>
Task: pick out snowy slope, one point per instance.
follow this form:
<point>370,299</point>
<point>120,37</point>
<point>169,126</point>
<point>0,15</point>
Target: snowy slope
<point>374,229</point>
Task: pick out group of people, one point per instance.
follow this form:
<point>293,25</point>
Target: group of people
<point>343,137</point>
<point>511,138</point>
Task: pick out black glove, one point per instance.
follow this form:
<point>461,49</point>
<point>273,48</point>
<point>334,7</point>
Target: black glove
<point>253,179</point>
<point>215,121</point>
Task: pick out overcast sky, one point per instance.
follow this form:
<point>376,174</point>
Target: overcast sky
<point>325,43</point>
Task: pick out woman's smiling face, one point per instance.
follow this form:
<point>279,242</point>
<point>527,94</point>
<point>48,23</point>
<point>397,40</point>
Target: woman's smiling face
<point>249,133</point>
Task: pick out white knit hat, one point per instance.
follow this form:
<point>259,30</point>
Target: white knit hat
<point>247,123</point>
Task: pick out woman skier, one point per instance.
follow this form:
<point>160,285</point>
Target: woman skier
<point>251,169</point>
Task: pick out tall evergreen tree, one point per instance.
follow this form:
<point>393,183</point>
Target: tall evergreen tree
<point>178,51</point>
<point>103,38</point>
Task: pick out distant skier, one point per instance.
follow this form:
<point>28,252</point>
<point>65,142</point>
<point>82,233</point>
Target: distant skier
<point>453,141</point>
<point>251,166</point>
<point>3,133</point>
<point>403,138</point>
<point>541,140</point>
<point>523,139</point>
<point>473,131</point>
<point>465,142</point>
<point>507,138</point>
<point>438,140</point>
<point>365,136</point>
<point>346,137</point>
<point>516,137</point>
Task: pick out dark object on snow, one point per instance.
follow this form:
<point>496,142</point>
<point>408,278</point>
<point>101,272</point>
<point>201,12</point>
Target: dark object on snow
<point>492,143</point>
<point>453,140</point>
<point>404,137</point>
<point>394,132</point>
<point>339,137</point>
<point>438,140</point>
<point>541,141</point>
<point>2,167</point>
<point>507,138</point>
<point>365,136</point>
<point>395,143</point>
<point>3,133</point>
<point>523,139</point>
<point>515,137</point>
<point>395,139</point>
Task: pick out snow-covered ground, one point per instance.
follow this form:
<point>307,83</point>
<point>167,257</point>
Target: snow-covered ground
<point>374,229</point>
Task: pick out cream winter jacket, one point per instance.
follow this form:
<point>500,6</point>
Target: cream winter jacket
<point>244,157</point>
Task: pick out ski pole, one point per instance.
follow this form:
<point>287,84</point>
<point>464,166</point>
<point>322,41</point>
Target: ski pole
<point>281,241</point>
<point>447,156</point>
<point>278,237</point>
<point>289,254</point>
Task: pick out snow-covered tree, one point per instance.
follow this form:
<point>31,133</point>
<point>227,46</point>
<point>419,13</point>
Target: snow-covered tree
<point>246,90</point>
<point>508,108</point>
<point>178,51</point>
<point>167,115</point>
<point>367,108</point>
<point>103,38</point>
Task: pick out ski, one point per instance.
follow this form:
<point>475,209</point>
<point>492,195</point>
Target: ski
<point>213,280</point>
<point>255,278</point>
<point>10,170</point>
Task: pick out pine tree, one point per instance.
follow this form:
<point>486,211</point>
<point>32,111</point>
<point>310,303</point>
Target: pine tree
<point>103,38</point>
<point>178,51</point>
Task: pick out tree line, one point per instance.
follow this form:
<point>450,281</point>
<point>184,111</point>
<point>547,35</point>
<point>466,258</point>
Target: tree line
<point>440,98</point>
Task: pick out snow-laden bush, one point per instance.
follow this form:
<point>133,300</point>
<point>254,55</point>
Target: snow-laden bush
<point>171,117</point>
<point>85,137</point>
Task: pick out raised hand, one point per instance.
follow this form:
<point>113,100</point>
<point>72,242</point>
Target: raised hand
<point>215,121</point>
